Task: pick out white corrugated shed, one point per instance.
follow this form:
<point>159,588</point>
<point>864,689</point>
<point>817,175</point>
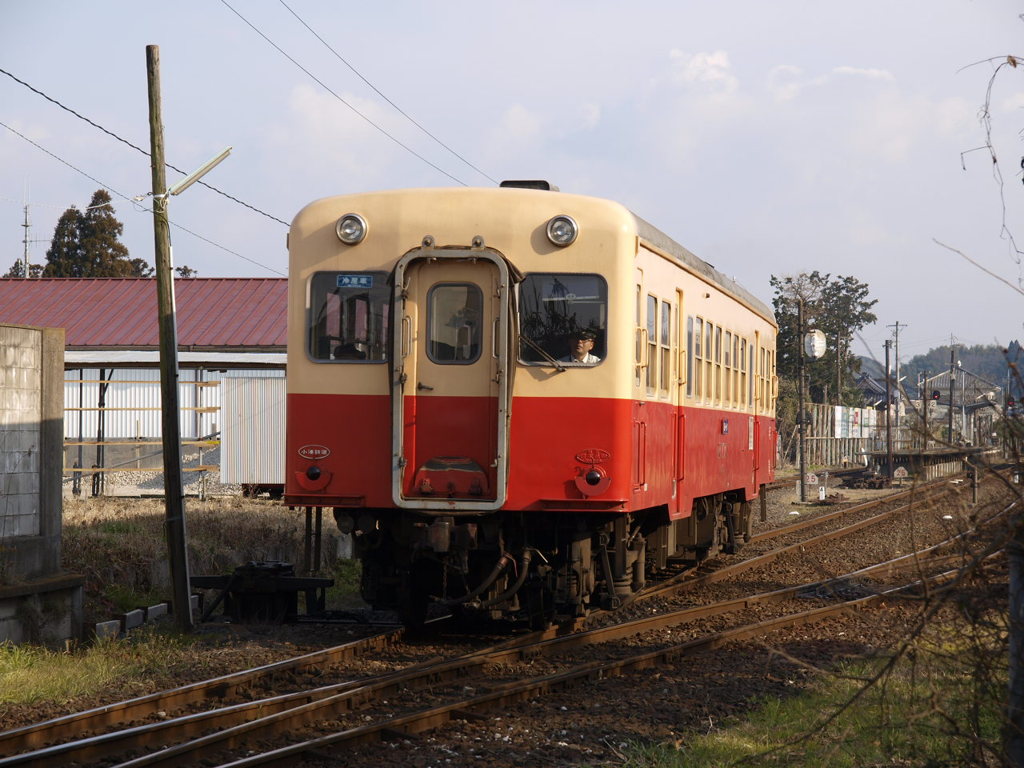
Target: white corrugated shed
<point>252,436</point>
<point>131,404</point>
<point>132,397</point>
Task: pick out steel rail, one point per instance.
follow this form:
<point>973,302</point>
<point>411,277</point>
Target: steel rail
<point>789,480</point>
<point>734,569</point>
<point>932,490</point>
<point>936,489</point>
<point>49,731</point>
<point>347,697</point>
<point>286,712</point>
<point>510,694</point>
<point>191,724</point>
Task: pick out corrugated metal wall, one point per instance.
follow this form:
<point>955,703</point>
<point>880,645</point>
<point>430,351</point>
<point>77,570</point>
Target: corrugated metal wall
<point>132,402</point>
<point>252,436</point>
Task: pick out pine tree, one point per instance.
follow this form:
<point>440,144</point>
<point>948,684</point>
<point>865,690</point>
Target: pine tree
<point>85,244</point>
<point>64,257</point>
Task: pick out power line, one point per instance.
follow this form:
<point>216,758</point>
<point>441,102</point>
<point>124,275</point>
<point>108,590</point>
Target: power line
<point>379,93</point>
<point>133,201</point>
<point>327,88</point>
<point>65,162</point>
<point>223,248</point>
<point>138,148</point>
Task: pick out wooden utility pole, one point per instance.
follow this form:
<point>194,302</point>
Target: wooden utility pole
<point>173,494</point>
<point>926,400</point>
<point>800,388</point>
<point>888,414</point>
<point>952,372</point>
<point>899,387</point>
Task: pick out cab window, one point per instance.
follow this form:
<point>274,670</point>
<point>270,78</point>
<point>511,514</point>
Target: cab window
<point>348,316</point>
<point>563,317</point>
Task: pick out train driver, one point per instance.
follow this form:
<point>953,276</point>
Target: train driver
<point>581,342</point>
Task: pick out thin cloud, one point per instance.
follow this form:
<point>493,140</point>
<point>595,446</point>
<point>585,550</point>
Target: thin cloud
<point>871,74</point>
<point>711,72</point>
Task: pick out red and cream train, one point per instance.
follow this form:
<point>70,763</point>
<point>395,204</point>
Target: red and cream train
<point>435,404</point>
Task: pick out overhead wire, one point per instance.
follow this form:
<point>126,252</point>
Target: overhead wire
<point>327,88</point>
<point>138,148</point>
<point>381,94</point>
<point>134,201</point>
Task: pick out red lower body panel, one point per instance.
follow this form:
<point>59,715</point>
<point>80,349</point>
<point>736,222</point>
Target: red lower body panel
<point>640,454</point>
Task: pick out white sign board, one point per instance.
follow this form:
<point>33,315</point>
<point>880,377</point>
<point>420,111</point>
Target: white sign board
<point>814,344</point>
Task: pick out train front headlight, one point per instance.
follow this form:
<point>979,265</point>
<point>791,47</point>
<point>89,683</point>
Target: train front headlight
<point>562,230</point>
<point>351,229</point>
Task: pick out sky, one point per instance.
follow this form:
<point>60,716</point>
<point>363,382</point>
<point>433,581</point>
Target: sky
<point>769,138</point>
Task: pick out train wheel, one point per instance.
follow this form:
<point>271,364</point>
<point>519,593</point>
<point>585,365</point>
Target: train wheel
<point>739,526</point>
<point>539,604</point>
<point>415,600</point>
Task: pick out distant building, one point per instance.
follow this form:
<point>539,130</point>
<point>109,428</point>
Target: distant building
<point>227,328</point>
<point>872,389</point>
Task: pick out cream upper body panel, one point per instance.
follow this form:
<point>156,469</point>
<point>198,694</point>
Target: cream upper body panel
<point>512,222</point>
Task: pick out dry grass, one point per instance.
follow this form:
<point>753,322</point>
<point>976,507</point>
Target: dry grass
<point>118,544</point>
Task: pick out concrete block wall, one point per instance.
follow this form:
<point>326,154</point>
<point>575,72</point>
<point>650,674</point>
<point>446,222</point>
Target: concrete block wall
<point>20,430</point>
<point>37,600</point>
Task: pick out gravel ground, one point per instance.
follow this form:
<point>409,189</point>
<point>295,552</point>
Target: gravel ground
<point>131,482</point>
<point>593,724</point>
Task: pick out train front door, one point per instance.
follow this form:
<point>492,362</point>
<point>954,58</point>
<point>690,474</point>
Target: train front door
<point>450,379</point>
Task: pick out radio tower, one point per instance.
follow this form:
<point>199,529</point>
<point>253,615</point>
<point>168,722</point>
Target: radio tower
<point>25,242</point>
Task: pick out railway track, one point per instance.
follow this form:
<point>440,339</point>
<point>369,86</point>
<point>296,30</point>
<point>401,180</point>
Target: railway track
<point>219,729</point>
<point>832,472</point>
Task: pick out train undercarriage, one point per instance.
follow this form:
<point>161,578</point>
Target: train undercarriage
<point>530,567</point>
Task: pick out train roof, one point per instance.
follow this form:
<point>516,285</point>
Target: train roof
<point>663,242</point>
<point>647,231</point>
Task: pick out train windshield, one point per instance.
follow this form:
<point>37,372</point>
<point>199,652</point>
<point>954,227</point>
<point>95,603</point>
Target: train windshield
<point>348,316</point>
<point>563,319</point>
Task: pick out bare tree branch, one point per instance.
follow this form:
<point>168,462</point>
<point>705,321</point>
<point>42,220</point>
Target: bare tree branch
<point>983,269</point>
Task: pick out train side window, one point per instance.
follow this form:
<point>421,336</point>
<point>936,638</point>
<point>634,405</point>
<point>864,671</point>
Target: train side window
<point>718,365</point>
<point>737,372</point>
<point>754,394</point>
<point>727,362</point>
<point>709,361</point>
<point>759,395</point>
<point>666,345</point>
<point>763,381</point>
<point>698,355</point>
<point>555,306</point>
<point>348,317</point>
<point>689,356</point>
<point>652,343</point>
<point>454,315</point>
<point>742,366</point>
